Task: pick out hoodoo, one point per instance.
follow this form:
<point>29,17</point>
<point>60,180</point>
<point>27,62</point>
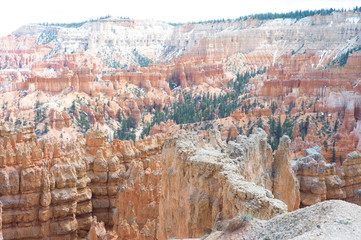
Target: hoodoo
<point>244,128</point>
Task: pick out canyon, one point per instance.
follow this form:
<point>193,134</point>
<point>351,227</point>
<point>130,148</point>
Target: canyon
<point>137,129</point>
<point>157,187</point>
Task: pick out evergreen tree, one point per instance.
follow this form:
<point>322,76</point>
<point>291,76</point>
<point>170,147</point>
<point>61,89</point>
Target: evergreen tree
<point>274,106</point>
<point>336,126</point>
<point>287,127</point>
<point>333,153</point>
<point>119,116</point>
<point>259,123</point>
<point>278,129</point>
<point>46,128</point>
<point>325,144</point>
<point>17,122</point>
<point>72,107</point>
<point>83,122</point>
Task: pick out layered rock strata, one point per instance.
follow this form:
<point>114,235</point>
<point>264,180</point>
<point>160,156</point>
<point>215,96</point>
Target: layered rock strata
<point>285,183</point>
<point>147,190</point>
<point>201,184</point>
<point>321,181</point>
<point>52,190</point>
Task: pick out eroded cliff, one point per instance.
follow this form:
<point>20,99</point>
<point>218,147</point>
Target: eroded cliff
<point>201,185</point>
<point>61,179</point>
<point>52,190</point>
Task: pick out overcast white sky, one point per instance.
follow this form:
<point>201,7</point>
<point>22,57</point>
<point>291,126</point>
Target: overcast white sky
<point>15,13</point>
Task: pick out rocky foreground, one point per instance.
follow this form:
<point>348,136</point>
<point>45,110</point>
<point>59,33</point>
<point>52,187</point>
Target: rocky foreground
<point>326,220</point>
<point>160,187</point>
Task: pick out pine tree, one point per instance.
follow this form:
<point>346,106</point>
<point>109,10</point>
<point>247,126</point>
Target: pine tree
<point>325,144</point>
<point>336,126</point>
<point>46,128</point>
<point>287,127</point>
<point>72,107</point>
<point>259,123</point>
<point>119,116</point>
<point>278,129</point>
<point>333,153</point>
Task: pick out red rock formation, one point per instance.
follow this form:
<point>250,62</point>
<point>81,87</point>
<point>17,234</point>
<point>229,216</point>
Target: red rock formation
<point>168,127</point>
<point>138,199</point>
<point>97,231</point>
<point>211,190</point>
<point>180,73</point>
<point>58,120</point>
<point>80,80</point>
<point>21,51</point>
<point>53,189</point>
<point>1,226</point>
<point>60,186</point>
<point>320,181</point>
<point>285,185</point>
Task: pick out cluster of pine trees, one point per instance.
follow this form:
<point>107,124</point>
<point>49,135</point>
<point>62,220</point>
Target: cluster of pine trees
<point>277,130</point>
<point>76,24</point>
<point>195,108</point>
<point>293,14</point>
<point>40,113</point>
<point>342,59</point>
<point>127,129</point>
<point>83,122</point>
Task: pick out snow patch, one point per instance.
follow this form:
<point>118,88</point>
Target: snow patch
<point>352,20</point>
<point>275,57</point>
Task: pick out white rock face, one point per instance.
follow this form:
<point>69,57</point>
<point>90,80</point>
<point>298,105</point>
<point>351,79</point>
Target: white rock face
<point>333,219</point>
<point>120,42</point>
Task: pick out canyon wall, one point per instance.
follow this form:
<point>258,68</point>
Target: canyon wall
<point>314,59</point>
<point>1,225</point>
<point>52,190</point>
<point>201,184</point>
<point>40,192</point>
<point>192,52</point>
<point>113,70</point>
<point>285,184</point>
<point>160,188</point>
<point>321,181</point>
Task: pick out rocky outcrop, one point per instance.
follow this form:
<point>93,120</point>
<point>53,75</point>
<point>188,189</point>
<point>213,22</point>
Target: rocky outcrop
<point>44,189</point>
<point>48,195</point>
<point>285,184</point>
<point>97,230</point>
<point>80,79</point>
<point>350,174</point>
<point>332,219</point>
<point>137,205</point>
<point>1,225</point>
<point>179,73</point>
<point>254,155</point>
<point>258,165</point>
<point>311,172</point>
<point>147,190</point>
<point>124,181</point>
<point>58,120</point>
<point>212,187</point>
<point>137,202</point>
<point>321,181</point>
<point>52,191</point>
